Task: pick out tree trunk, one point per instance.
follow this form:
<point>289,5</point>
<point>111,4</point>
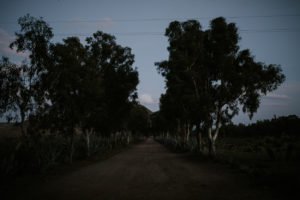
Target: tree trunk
<point>23,132</point>
<point>188,131</point>
<point>72,147</point>
<point>213,137</point>
<point>212,147</point>
<point>211,142</point>
<point>88,144</point>
<point>128,138</point>
<point>199,138</point>
<point>88,134</point>
<point>185,135</point>
<point>115,139</point>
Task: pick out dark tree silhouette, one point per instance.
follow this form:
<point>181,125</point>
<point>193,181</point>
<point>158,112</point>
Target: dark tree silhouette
<point>20,93</point>
<point>119,79</point>
<point>15,91</point>
<point>139,120</point>
<point>207,77</point>
<point>67,85</point>
<point>182,100</point>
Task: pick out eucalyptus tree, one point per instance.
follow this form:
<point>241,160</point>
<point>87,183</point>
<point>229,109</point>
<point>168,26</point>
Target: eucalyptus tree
<point>183,73</point>
<point>211,77</point>
<point>69,85</point>
<point>236,78</point>
<point>119,79</point>
<point>109,86</point>
<point>20,83</point>
<point>101,82</point>
<point>91,100</point>
<point>34,39</point>
<point>64,81</point>
<point>15,91</point>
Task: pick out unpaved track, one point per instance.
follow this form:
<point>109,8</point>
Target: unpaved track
<point>147,171</point>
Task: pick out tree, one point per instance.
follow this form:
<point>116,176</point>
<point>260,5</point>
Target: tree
<point>69,85</point>
<point>65,79</point>
<point>89,86</point>
<point>15,91</point>
<point>119,79</point>
<point>91,101</point>
<point>19,85</point>
<point>139,120</point>
<point>34,37</point>
<point>183,72</point>
<point>237,77</point>
<point>219,77</point>
<point>109,85</point>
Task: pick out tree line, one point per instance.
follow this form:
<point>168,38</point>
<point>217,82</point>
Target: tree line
<point>69,86</point>
<point>208,79</point>
<point>92,86</point>
<point>277,126</point>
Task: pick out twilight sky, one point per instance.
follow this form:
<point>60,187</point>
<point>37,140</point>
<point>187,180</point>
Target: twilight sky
<point>269,28</point>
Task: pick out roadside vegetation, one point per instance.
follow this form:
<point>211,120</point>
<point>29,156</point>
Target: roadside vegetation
<point>209,80</point>
<point>267,151</point>
<point>68,99</point>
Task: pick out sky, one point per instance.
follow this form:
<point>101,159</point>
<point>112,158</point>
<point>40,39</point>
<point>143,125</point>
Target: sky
<point>269,28</point>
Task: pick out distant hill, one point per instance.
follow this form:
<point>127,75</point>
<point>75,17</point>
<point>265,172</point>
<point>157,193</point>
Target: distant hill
<point>146,109</point>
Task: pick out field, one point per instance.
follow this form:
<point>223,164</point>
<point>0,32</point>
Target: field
<point>9,130</point>
<point>273,162</point>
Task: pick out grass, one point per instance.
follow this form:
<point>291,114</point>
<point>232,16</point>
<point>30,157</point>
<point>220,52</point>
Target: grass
<point>39,154</point>
<point>9,130</point>
<point>258,155</point>
<point>274,170</point>
<point>269,162</point>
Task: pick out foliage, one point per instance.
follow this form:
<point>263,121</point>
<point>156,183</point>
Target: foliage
<point>16,91</point>
<point>34,37</point>
<point>119,79</point>
<point>139,120</point>
<point>31,155</point>
<point>207,77</point>
<point>19,155</point>
<point>68,86</point>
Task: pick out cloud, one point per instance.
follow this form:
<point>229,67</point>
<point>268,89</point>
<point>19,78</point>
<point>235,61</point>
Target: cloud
<point>5,40</point>
<point>273,99</point>
<point>106,23</point>
<point>275,104</point>
<point>146,99</point>
<point>277,96</point>
<point>150,102</point>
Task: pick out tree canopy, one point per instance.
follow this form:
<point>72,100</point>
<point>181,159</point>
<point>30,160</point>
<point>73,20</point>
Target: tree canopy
<point>93,85</point>
<point>69,85</point>
<point>208,77</point>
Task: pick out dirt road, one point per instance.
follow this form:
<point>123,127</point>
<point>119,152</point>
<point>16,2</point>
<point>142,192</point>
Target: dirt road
<point>147,171</point>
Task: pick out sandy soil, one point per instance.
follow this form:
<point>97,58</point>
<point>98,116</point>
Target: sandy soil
<point>146,171</point>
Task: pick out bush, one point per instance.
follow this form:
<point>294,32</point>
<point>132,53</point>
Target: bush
<point>36,153</point>
<point>28,154</point>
